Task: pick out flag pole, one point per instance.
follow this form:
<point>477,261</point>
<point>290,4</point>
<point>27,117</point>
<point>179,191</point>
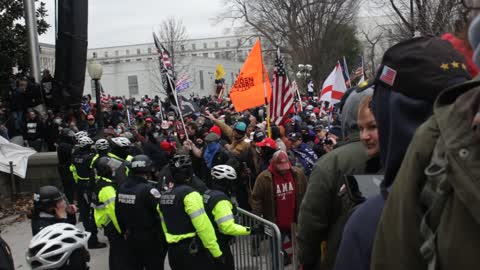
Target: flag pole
<point>174,90</point>
<point>128,116</point>
<point>299,98</point>
<point>267,109</point>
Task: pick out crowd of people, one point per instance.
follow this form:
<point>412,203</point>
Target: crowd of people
<point>157,185</point>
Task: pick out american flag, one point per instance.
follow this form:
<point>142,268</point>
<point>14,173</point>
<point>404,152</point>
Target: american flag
<point>166,70</point>
<point>104,99</point>
<point>357,71</point>
<point>282,92</point>
<point>388,75</point>
<point>182,83</point>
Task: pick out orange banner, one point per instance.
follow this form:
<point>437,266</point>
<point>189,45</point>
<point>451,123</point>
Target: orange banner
<point>248,90</point>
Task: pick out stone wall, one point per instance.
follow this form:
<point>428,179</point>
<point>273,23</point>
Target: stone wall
<point>42,170</point>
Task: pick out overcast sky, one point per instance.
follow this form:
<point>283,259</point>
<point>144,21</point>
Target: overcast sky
<point>123,22</point>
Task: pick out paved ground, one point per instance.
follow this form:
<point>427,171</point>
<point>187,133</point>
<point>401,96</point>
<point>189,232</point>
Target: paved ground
<point>18,235</point>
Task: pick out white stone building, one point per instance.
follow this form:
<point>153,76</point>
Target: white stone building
<point>47,57</point>
<point>132,70</point>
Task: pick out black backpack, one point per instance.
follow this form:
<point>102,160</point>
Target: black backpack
<point>6,260</point>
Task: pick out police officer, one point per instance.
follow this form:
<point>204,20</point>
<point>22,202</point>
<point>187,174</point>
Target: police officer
<point>64,154</point>
<point>121,147</point>
<point>84,179</point>
<point>121,151</point>
<point>221,211</point>
<point>166,181</point>
<point>104,212</point>
<point>189,233</point>
<point>116,163</point>
<point>49,207</point>
<point>136,207</point>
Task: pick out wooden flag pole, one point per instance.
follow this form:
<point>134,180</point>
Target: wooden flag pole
<point>267,109</point>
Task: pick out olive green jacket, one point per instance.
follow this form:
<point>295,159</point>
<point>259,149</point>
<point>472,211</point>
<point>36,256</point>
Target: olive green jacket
<point>326,205</point>
<point>398,239</point>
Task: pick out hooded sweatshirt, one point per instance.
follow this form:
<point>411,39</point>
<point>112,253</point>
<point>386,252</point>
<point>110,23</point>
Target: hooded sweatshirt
<point>398,117</point>
<point>350,111</point>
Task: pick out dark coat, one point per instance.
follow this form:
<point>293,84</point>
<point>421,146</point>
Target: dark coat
<point>397,243</point>
<point>326,205</point>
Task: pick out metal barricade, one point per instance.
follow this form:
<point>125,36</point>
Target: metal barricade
<point>260,252</point>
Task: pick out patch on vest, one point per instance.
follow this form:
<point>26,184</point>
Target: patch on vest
<point>139,164</point>
<point>206,198</point>
<point>126,198</point>
<point>155,193</point>
<point>167,199</point>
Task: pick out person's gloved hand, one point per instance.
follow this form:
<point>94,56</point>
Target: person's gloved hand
<point>221,261</point>
<point>257,229</point>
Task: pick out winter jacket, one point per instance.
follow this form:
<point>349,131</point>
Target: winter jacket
<point>222,157</point>
<point>326,205</point>
<point>18,101</point>
<point>263,196</point>
<point>33,130</point>
<point>238,146</point>
<point>458,232</point>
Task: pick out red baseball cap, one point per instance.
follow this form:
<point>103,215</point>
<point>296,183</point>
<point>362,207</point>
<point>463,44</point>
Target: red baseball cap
<point>280,161</point>
<point>267,142</point>
<point>149,120</point>
<point>140,114</point>
<point>217,130</point>
<point>166,146</point>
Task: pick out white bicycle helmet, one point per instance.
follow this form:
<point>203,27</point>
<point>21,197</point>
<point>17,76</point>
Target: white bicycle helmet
<point>53,245</point>
<point>81,134</point>
<point>224,172</point>
<point>121,141</point>
<point>85,141</point>
<point>102,144</point>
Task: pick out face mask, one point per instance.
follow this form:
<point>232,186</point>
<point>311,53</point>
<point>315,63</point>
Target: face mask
<point>57,121</point>
<point>474,37</point>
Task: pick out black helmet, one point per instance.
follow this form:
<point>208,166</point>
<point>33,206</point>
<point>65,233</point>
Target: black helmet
<point>180,162</point>
<point>66,132</point>
<point>181,168</point>
<point>46,196</point>
<point>141,164</point>
<point>103,167</point>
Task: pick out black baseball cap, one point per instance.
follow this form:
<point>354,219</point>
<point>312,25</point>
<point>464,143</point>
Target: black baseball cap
<point>259,136</point>
<point>294,137</point>
<point>420,68</point>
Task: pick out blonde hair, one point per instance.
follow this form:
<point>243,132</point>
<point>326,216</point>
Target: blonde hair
<point>364,106</point>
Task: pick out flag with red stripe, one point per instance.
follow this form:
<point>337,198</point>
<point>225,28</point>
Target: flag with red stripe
<point>334,86</point>
<point>282,92</point>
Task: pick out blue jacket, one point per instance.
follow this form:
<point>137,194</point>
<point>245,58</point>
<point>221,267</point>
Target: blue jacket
<point>306,157</point>
<point>358,235</point>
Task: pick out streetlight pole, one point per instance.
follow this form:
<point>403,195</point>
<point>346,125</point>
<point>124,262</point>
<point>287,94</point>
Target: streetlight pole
<point>95,70</point>
<point>31,23</point>
<point>304,73</point>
